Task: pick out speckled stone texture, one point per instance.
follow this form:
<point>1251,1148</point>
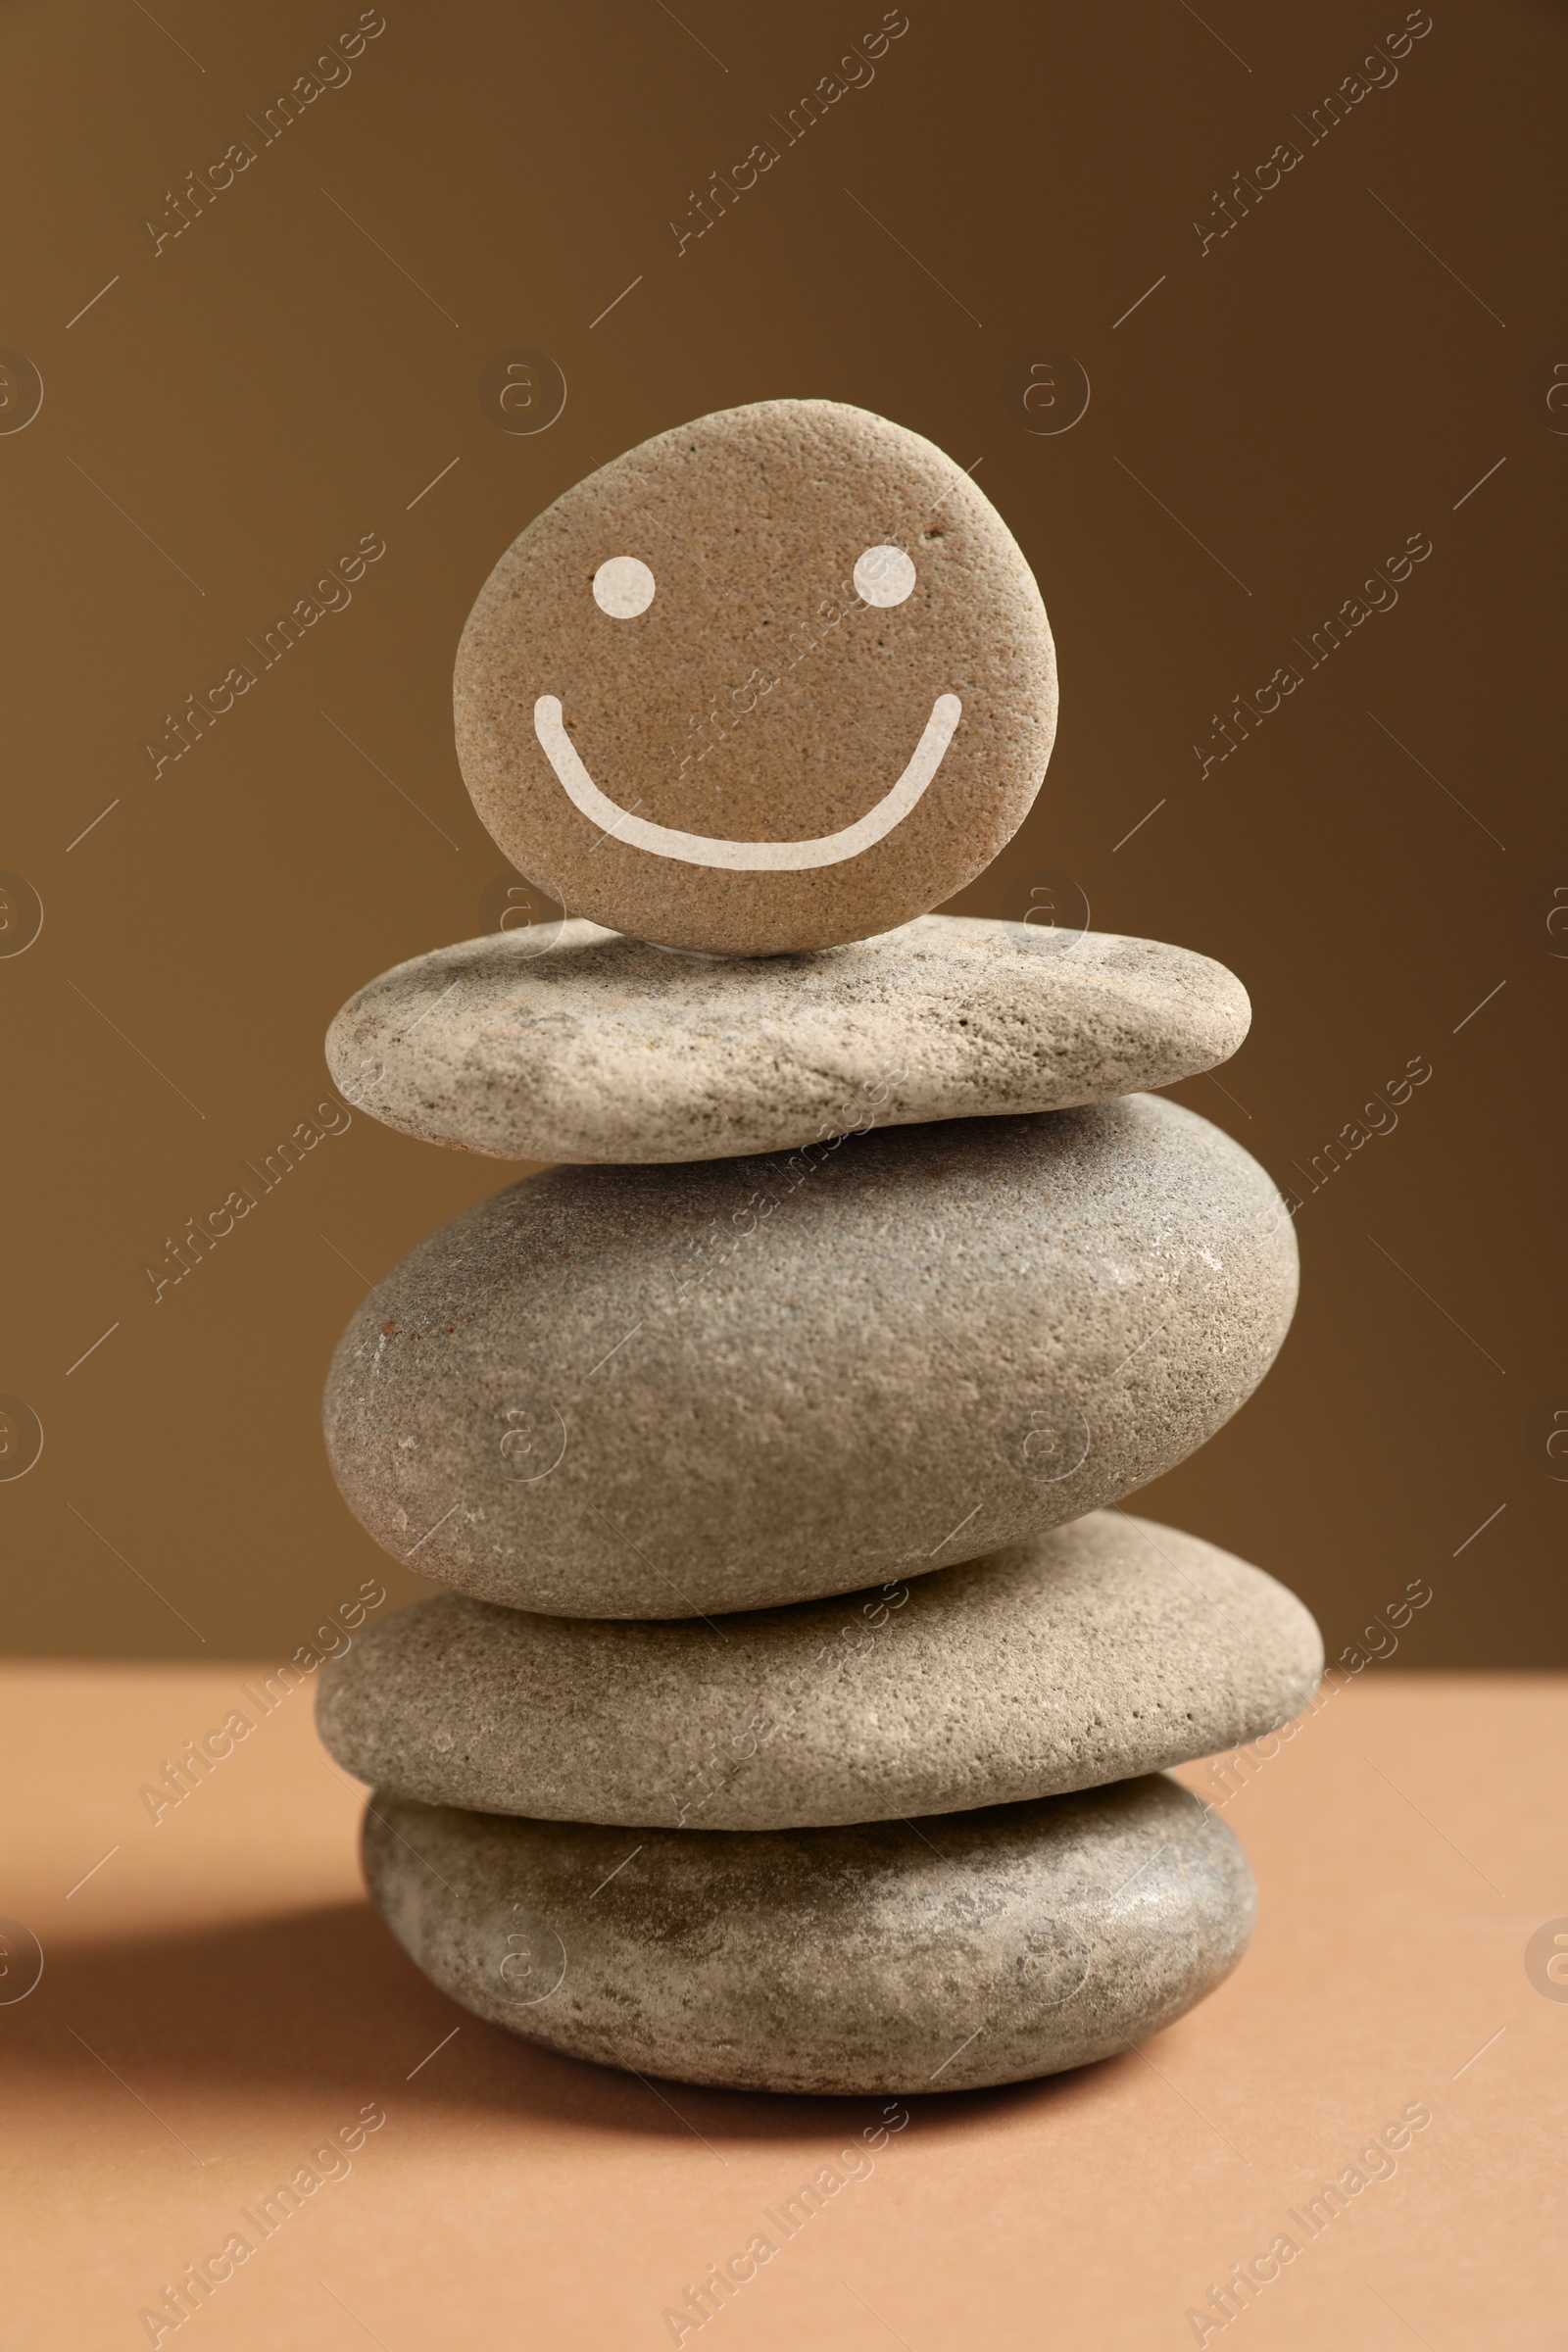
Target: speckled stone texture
<point>759,697</point>
<point>571,1042</point>
<point>664,1391</point>
<point>1107,1648</point>
<point>898,1957</point>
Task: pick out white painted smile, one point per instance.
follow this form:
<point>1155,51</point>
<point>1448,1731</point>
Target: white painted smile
<point>750,857</point>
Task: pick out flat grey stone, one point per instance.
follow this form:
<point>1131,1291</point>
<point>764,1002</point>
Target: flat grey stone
<point>566,1042</point>
<point>897,1957</point>
<point>664,1392</point>
<point>1103,1649</point>
<point>642,1391</point>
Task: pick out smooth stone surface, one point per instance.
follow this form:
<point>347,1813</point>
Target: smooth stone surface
<point>1107,1648</point>
<point>664,1391</point>
<point>731,748</point>
<point>944,1954</point>
<point>571,1042</point>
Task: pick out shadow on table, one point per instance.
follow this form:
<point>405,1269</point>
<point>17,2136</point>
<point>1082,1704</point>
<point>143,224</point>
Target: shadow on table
<point>325,2000</point>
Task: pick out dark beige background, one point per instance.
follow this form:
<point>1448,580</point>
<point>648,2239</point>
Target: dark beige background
<point>1283,409</point>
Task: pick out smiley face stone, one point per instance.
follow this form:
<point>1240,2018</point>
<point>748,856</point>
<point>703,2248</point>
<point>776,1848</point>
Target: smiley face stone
<point>775,680</point>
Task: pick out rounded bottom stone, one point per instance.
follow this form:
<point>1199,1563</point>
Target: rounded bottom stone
<point>944,1954</point>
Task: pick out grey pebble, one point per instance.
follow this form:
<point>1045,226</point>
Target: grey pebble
<point>1103,1649</point>
<point>566,1042</point>
<point>941,1954</point>
<point>664,1392</point>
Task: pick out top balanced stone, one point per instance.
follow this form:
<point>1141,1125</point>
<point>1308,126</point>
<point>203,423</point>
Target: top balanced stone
<point>776,680</point>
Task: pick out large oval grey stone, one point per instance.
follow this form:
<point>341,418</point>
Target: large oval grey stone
<point>904,1956</point>
<point>1096,1653</point>
<point>664,1391</point>
<point>566,1042</point>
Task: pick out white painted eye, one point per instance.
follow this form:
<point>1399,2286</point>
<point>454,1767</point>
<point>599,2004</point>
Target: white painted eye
<point>624,587</point>
<point>884,575</point>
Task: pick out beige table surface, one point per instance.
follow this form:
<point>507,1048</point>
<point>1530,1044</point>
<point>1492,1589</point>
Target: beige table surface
<point>218,2000</point>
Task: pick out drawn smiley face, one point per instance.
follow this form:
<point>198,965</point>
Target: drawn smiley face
<point>775,680</point>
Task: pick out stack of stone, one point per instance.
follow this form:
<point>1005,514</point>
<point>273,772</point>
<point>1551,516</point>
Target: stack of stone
<point>800,1713</point>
